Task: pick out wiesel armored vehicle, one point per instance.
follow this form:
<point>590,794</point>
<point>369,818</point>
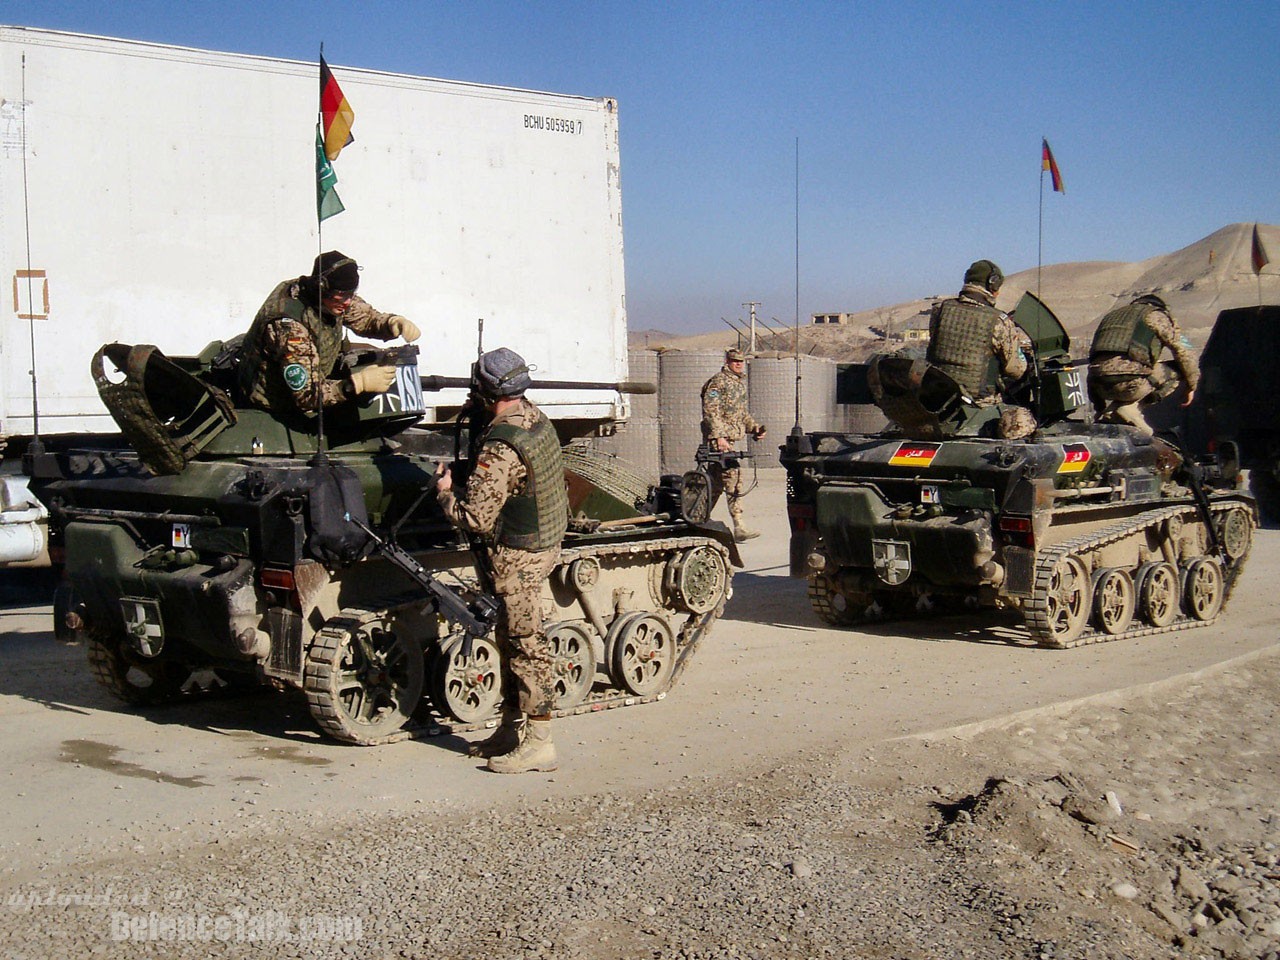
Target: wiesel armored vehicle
<point>1092,531</point>
<point>227,547</point>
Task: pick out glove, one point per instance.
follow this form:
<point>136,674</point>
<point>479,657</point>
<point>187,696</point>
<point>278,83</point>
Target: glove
<point>759,432</point>
<point>400,327</point>
<point>375,379</point>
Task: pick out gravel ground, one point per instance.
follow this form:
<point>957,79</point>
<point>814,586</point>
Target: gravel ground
<point>1141,824</point>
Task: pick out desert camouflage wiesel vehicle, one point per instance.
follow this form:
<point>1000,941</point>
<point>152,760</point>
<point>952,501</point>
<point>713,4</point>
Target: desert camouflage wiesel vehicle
<point>218,550</point>
<point>1093,531</point>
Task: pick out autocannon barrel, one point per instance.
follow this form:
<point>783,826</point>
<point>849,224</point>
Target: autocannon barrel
<point>433,383</point>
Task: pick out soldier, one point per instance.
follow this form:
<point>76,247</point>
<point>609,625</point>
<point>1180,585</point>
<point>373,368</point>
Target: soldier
<point>725,420</point>
<point>515,499</point>
<point>1124,372</point>
<point>288,356</point>
<point>974,343</point>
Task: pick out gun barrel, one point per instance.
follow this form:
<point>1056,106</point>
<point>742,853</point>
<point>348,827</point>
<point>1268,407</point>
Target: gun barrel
<point>433,383</point>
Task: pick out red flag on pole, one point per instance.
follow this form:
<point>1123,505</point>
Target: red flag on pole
<point>336,114</point>
<point>1260,258</point>
<point>1048,163</point>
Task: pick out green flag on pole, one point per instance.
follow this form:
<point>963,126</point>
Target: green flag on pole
<point>327,202</point>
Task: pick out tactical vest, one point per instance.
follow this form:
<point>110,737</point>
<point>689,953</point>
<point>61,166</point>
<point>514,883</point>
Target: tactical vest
<point>261,383</point>
<point>1123,331</point>
<point>961,345</point>
<point>537,518</point>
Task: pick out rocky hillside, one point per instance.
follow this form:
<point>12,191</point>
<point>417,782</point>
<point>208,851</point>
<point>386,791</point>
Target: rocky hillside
<point>1198,281</point>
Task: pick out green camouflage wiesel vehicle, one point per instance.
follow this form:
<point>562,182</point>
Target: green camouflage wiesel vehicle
<point>1092,531</point>
<point>219,549</point>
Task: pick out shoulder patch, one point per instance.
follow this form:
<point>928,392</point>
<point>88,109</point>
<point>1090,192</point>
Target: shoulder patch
<point>712,393</point>
<point>296,376</point>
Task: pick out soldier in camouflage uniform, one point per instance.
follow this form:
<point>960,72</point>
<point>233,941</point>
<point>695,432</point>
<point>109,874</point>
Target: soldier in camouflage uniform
<point>515,499</point>
<point>1124,369</point>
<point>726,420</point>
<point>288,357</point>
<point>976,344</point>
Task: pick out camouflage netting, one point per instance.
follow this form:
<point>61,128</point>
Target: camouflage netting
<point>614,476</point>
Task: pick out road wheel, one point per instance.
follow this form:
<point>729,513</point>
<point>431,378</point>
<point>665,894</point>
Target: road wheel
<point>1203,589</point>
<point>574,669</point>
<point>363,680</point>
<point>1060,605</point>
<point>1158,593</point>
<point>135,680</point>
<point>468,689</point>
<point>1114,600</point>
<point>642,653</point>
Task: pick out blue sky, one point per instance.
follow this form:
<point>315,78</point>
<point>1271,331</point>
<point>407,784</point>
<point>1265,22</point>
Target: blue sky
<point>919,125</point>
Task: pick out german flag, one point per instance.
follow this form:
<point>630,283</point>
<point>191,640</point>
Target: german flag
<point>914,454</point>
<point>1048,163</point>
<point>336,114</point>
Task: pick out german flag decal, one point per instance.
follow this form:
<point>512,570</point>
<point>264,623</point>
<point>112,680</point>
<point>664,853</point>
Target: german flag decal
<point>1075,457</point>
<point>914,454</point>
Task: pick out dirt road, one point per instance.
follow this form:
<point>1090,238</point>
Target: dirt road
<point>774,699</point>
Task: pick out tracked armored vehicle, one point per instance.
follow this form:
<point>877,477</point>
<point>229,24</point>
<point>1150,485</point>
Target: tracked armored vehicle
<point>218,551</point>
<point>1092,531</point>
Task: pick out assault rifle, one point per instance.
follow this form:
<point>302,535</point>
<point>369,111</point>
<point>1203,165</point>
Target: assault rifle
<point>476,617</point>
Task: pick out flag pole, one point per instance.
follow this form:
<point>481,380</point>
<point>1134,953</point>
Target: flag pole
<point>320,375</point>
<point>1040,227</point>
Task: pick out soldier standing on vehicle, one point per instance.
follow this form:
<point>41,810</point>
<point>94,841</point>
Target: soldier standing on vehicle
<point>288,357</point>
<point>726,420</point>
<point>1124,369</point>
<point>515,499</point>
<point>975,344</point>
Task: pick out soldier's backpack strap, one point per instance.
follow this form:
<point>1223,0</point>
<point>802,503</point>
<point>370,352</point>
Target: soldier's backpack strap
<point>166,414</point>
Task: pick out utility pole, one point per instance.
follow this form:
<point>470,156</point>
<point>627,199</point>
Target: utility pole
<point>751,305</point>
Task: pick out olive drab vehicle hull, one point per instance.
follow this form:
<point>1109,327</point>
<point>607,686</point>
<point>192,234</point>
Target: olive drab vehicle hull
<point>246,566</point>
<point>1092,531</point>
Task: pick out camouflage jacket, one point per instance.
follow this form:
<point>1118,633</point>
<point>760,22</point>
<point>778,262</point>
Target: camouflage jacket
<point>724,407</point>
<point>1167,333</point>
<point>285,367</point>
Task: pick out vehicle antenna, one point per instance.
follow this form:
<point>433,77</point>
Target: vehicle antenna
<point>35,447</point>
<point>797,431</point>
<point>320,375</point>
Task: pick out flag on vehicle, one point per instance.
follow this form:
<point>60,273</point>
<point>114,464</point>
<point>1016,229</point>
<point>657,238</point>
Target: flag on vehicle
<point>1260,258</point>
<point>327,202</point>
<point>335,113</point>
<point>1048,163</point>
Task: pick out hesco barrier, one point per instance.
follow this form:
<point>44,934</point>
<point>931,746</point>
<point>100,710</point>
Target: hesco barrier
<point>681,376</point>
<point>665,429</point>
<point>771,398</point>
<point>642,365</point>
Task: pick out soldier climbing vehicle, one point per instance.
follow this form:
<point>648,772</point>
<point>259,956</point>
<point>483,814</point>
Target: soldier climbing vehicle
<point>228,548</point>
<point>1092,531</point>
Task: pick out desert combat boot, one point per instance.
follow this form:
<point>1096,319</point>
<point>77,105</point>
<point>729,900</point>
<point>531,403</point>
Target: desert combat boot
<point>503,740</point>
<point>536,751</point>
<point>742,532</point>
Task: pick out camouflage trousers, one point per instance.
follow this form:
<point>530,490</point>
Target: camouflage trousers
<point>528,677</point>
<point>729,481</point>
<point>1119,398</point>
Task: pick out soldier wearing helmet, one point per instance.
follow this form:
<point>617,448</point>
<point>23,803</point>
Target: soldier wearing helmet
<point>515,501</point>
<point>288,357</point>
<point>726,420</point>
<point>977,344</point>
<point>1125,372</point>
